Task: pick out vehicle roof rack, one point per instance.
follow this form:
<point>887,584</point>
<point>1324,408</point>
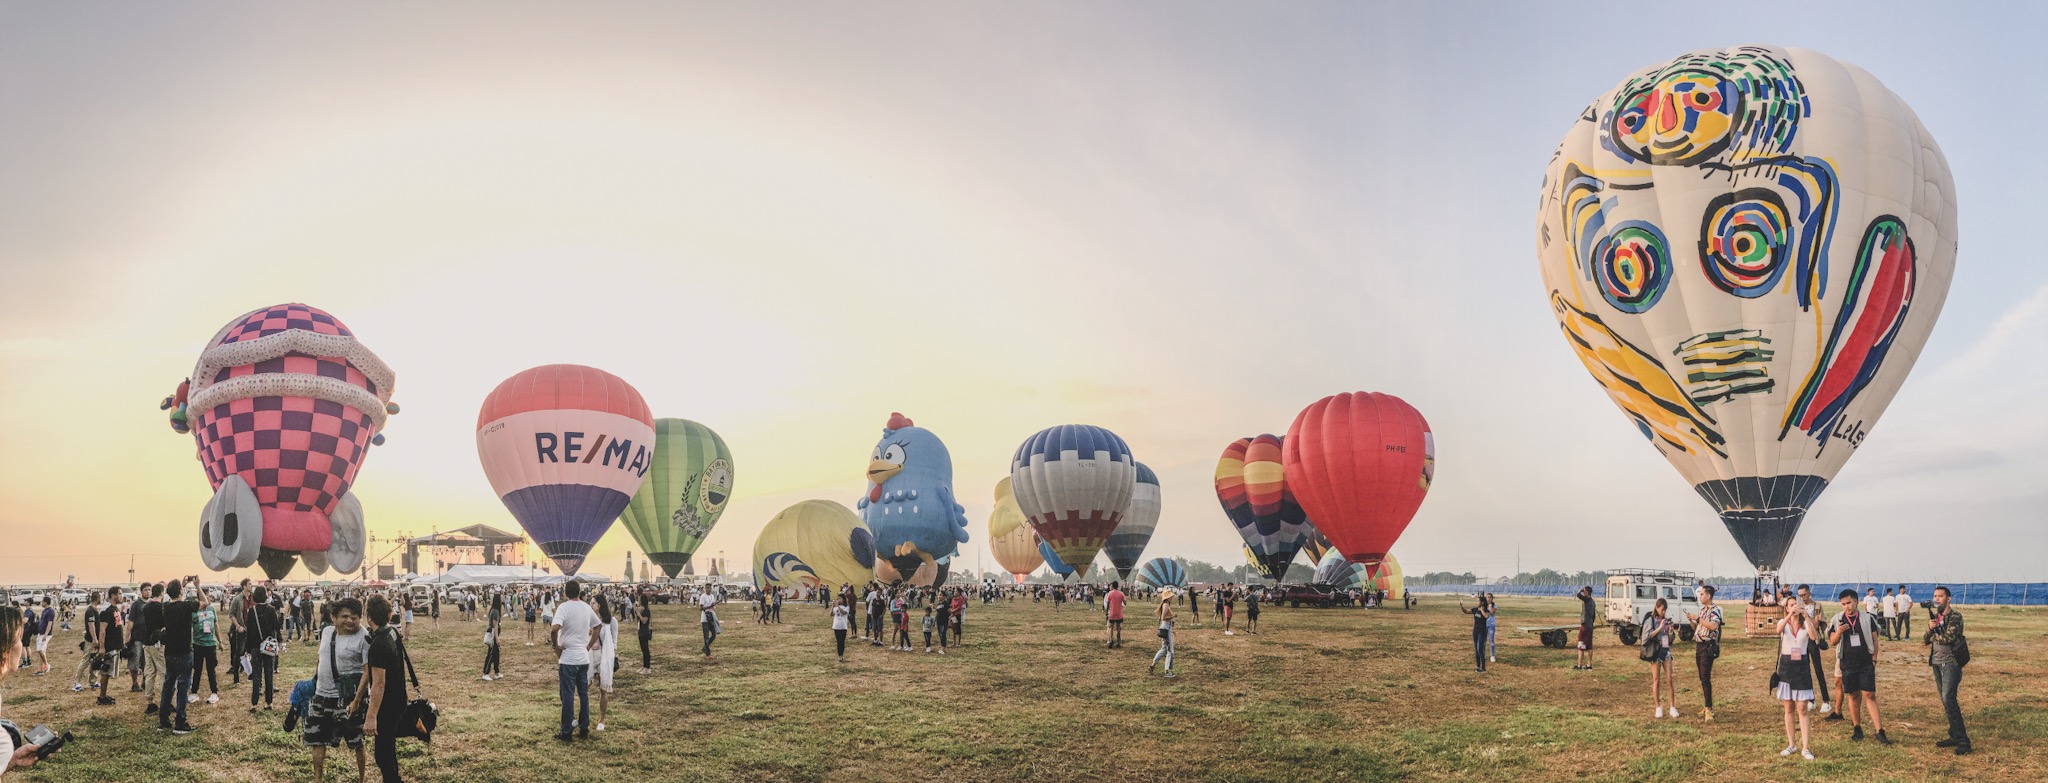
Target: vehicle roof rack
<point>1663,572</point>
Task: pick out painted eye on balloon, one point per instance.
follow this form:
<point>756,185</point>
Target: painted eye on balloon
<point>1745,239</point>
<point>1703,100</point>
<point>893,454</point>
<point>1632,266</point>
<point>1631,119</point>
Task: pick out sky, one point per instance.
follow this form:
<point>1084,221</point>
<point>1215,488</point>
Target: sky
<point>1181,221</point>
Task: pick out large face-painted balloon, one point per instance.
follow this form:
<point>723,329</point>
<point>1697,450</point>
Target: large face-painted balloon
<point>1161,572</point>
<point>1334,570</point>
<point>909,503</point>
<point>565,447</point>
<point>1360,463</point>
<point>1747,248</point>
<point>684,494</point>
<point>284,405</point>
<point>814,544</point>
<point>1127,543</point>
<point>1074,482</point>
<point>1010,537</point>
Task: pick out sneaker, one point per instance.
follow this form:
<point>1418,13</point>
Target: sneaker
<point>1489,659</point>
<point>77,687</point>
<point>487,678</point>
<point>1789,750</point>
<point>565,737</point>
<point>942,652</point>
<point>1707,715</point>
<point>1963,749</point>
<point>181,729</point>
<point>1857,735</point>
<point>1806,754</point>
<point>598,727</point>
<point>213,698</point>
<point>1948,743</point>
<point>1882,739</point>
<point>1660,712</point>
<point>1826,708</point>
<point>1835,716</point>
<point>105,701</point>
<point>149,710</point>
<point>1674,712</point>
<point>1169,675</point>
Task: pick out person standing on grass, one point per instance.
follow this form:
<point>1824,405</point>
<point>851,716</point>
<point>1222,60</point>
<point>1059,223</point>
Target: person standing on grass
<point>1585,597</point>
<point>1479,613</point>
<point>1853,635</point>
<point>842,618</point>
<point>206,646</point>
<point>929,624</point>
<point>1113,611</point>
<point>607,653</point>
<point>900,617</point>
<point>110,635</point>
<point>1493,629</point>
<point>1890,604</point>
<point>1226,607</point>
<point>943,603</point>
<point>1944,634</point>
<point>344,652</point>
<point>532,614</point>
<point>88,648</point>
<point>707,618</point>
<point>573,634</point>
<point>175,640</point>
<point>494,631</point>
<point>1706,647</point>
<point>959,615</point>
<point>1251,610</point>
<point>1905,618</point>
<point>264,627</point>
<point>1658,631</point>
<point>643,614</point>
<point>1165,617</point>
<point>1795,678</point>
<point>384,687</point>
<point>1812,609</point>
<point>148,623</point>
<point>46,627</point>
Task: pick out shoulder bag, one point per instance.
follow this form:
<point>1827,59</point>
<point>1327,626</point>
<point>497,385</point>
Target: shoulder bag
<point>419,716</point>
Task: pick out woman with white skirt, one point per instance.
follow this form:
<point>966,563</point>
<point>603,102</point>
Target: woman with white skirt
<point>1795,679</point>
<point>607,657</point>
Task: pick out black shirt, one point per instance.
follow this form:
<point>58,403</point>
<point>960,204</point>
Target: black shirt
<point>261,623</point>
<point>152,621</point>
<point>1478,620</point>
<point>1586,610</point>
<point>176,627</point>
<point>92,620</point>
<point>110,628</point>
<point>385,657</point>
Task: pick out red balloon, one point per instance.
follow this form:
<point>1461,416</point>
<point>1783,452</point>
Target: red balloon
<point>1360,464</point>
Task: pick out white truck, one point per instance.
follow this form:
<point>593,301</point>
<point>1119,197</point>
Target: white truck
<point>1632,595</point>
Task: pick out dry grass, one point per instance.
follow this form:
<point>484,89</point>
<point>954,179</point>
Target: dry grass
<point>1322,695</point>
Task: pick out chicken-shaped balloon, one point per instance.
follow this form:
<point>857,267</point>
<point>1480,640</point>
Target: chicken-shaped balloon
<point>284,405</point>
<point>909,504</point>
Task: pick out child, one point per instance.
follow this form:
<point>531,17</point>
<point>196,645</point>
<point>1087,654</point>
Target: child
<point>928,630</point>
<point>901,617</point>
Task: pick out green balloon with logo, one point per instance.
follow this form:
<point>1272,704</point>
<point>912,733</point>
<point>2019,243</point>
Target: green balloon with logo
<point>686,490</point>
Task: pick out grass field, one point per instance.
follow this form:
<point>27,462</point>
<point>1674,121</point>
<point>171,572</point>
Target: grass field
<point>1331,694</point>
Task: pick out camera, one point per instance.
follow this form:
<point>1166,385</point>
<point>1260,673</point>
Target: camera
<point>1927,605</point>
<point>46,741</point>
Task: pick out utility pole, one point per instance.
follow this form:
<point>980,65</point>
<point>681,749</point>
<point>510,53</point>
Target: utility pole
<point>131,570</point>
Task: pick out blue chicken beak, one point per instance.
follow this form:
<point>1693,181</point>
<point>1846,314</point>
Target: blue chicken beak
<point>882,470</point>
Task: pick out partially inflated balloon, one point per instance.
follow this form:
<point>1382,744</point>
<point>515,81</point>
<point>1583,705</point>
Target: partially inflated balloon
<point>1343,574</point>
<point>812,545</point>
<point>1127,543</point>
<point>926,574</point>
<point>565,447</point>
<point>1073,482</point>
<point>685,493</point>
<point>1010,537</point>
<point>1161,572</point>
<point>909,500</point>
<point>1360,463</point>
<point>1747,248</point>
<point>1278,526</point>
<point>1317,545</point>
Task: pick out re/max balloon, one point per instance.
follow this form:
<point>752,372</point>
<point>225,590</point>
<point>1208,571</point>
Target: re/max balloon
<point>1127,543</point>
<point>1073,483</point>
<point>283,405</point>
<point>1360,463</point>
<point>565,447</point>
<point>684,494</point>
<point>816,544</point>
<point>1010,537</point>
<point>1747,248</point>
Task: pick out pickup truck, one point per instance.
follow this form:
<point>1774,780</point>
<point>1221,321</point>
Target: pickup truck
<point>1321,596</point>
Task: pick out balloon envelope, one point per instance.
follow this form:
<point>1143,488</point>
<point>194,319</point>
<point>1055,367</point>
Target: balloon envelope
<point>685,492</point>
<point>1010,537</point>
<point>1278,526</point>
<point>1747,248</point>
<point>1160,572</point>
<point>1127,543</point>
<point>565,447</point>
<point>816,544</point>
<point>1073,483</point>
<point>1360,463</point>
<point>1344,574</point>
<point>909,501</point>
<point>1052,560</point>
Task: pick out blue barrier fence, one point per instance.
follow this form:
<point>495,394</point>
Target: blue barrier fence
<point>2003,593</point>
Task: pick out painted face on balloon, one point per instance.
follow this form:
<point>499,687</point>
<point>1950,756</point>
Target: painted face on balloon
<point>716,486</point>
<point>1680,118</point>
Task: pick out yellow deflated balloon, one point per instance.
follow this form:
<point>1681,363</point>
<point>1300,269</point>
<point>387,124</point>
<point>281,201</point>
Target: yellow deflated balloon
<point>814,544</point>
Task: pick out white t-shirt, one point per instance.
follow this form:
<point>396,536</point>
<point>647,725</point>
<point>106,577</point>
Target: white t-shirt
<point>575,619</point>
<point>838,617</point>
<point>351,652</point>
<point>1891,607</point>
<point>708,603</point>
<point>1870,603</point>
<point>1905,602</point>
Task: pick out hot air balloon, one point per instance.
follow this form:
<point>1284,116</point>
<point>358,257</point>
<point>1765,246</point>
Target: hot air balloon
<point>1360,464</point>
<point>816,544</point>
<point>909,503</point>
<point>1747,248</point>
<point>1317,545</point>
<point>1251,484</point>
<point>1343,574</point>
<point>1073,482</point>
<point>1161,573</point>
<point>926,575</point>
<point>1010,537</point>
<point>565,447</point>
<point>684,494</point>
<point>283,405</point>
<point>1052,560</point>
<point>1127,542</point>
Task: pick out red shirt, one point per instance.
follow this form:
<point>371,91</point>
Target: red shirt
<point>1115,602</point>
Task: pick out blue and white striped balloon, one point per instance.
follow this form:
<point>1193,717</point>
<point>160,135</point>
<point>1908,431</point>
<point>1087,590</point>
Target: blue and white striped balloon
<point>1073,482</point>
